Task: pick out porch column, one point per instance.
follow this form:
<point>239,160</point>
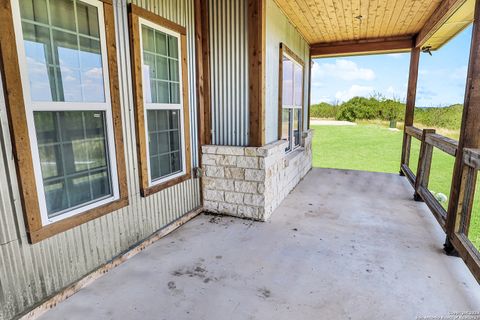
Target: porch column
<point>256,71</point>
<point>469,130</point>
<point>202,65</point>
<point>410,107</point>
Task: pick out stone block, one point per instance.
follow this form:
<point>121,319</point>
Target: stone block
<point>246,186</point>
<point>247,162</point>
<point>234,197</point>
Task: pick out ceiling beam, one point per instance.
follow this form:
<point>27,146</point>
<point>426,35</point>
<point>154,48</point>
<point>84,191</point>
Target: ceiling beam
<point>444,11</point>
<point>359,47</point>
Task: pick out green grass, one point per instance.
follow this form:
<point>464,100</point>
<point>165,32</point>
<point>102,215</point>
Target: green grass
<point>370,147</point>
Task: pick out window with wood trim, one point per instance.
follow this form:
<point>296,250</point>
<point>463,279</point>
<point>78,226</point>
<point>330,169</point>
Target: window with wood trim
<point>160,82</point>
<point>290,97</point>
<point>71,166</point>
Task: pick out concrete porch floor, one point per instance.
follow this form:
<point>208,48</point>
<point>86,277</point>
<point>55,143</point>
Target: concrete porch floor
<point>343,245</point>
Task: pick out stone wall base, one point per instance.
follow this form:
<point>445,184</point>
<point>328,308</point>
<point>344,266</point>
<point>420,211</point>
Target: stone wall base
<point>249,182</point>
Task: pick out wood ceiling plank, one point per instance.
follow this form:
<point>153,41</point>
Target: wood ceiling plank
<point>348,16</point>
<point>310,18</point>
<point>322,30</point>
<point>365,11</point>
<point>419,20</point>
<point>383,12</point>
<point>323,10</point>
<point>398,16</point>
<point>322,21</point>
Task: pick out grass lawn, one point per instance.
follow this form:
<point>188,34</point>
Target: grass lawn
<point>372,147</point>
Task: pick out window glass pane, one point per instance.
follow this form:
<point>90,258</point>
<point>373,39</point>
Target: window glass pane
<point>73,158</point>
<point>298,86</point>
<point>39,56</point>
<point>162,68</point>
<point>148,39</point>
<point>162,92</point>
<point>173,119</point>
<point>172,47</point>
<point>160,43</point>
<point>91,70</point>
<point>173,70</point>
<point>286,125</point>
<point>161,71</point>
<point>164,143</point>
<point>60,67</point>
<point>296,126</point>
<point>174,93</point>
<point>287,82</point>
<point>165,169</point>
<point>35,10</point>
<point>163,117</point>
<point>176,162</point>
<point>87,20</point>
<point>62,14</point>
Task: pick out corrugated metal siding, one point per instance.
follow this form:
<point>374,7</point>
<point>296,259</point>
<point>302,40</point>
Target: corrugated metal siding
<point>30,273</point>
<point>280,30</point>
<point>229,71</point>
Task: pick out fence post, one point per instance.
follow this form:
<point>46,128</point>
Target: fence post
<point>424,164</point>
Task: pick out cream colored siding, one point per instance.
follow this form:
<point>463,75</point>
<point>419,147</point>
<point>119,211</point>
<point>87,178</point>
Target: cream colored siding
<point>280,30</point>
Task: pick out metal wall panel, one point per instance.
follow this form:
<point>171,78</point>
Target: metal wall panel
<point>229,71</point>
<point>280,30</point>
<point>30,273</point>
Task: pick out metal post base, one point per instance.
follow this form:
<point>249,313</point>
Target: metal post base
<point>449,249</point>
<point>417,197</point>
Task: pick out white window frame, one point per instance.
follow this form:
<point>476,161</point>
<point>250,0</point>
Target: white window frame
<point>164,106</point>
<point>292,146</point>
<point>31,107</point>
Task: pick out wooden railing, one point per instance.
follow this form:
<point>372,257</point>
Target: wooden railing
<point>460,240</point>
<point>429,140</point>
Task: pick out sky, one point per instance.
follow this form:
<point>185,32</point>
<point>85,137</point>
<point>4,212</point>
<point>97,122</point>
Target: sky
<point>441,79</point>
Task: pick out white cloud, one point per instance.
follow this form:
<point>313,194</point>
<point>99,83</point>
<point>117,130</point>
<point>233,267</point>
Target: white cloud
<point>342,69</point>
<point>94,73</point>
<point>397,55</point>
<point>354,91</point>
<point>460,73</point>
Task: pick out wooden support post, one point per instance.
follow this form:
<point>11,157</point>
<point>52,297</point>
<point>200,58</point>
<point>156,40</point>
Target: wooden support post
<point>469,130</point>
<point>202,65</point>
<point>424,164</point>
<point>256,71</point>
<point>410,107</point>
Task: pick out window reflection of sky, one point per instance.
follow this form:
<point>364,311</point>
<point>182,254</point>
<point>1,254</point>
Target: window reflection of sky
<point>81,74</point>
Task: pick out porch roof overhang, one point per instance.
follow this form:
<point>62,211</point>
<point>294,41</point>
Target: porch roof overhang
<point>335,28</point>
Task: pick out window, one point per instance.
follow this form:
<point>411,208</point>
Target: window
<point>291,97</point>
<point>159,50</point>
<point>74,128</point>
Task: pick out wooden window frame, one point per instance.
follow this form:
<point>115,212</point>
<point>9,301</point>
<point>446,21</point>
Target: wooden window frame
<point>284,50</point>
<point>18,115</point>
<point>136,14</point>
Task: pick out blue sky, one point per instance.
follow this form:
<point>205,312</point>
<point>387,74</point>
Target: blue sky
<point>441,79</point>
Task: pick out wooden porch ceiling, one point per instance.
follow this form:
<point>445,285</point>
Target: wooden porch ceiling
<point>331,23</point>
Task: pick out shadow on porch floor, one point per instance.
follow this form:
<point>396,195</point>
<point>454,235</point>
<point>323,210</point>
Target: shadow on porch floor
<point>343,245</point>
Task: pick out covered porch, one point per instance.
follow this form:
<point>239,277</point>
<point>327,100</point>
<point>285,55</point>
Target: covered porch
<point>376,256</point>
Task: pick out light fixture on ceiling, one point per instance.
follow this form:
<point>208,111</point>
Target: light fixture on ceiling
<point>427,49</point>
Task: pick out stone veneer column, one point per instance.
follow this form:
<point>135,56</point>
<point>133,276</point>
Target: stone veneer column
<point>251,182</point>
